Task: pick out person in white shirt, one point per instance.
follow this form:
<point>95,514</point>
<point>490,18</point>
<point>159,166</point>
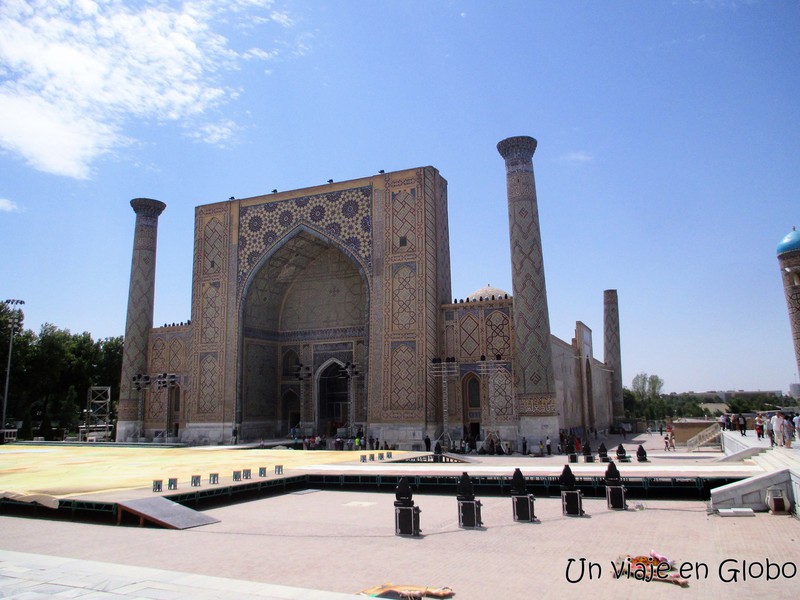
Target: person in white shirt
<point>777,428</point>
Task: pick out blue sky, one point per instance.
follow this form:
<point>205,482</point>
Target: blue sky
<point>667,166</point>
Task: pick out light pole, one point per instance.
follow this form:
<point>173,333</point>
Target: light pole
<point>487,369</point>
<point>14,323</point>
<point>350,372</point>
<point>141,382</point>
<point>445,368</point>
<point>303,374</point>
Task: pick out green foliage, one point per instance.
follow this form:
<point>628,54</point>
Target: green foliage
<point>51,374</point>
<point>749,404</point>
<point>645,401</point>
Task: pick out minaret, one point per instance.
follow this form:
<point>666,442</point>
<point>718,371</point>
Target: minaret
<point>141,295</point>
<point>611,350</point>
<point>789,260</point>
<point>534,381</point>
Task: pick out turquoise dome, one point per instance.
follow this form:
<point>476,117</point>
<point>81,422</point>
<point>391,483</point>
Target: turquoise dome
<point>790,243</point>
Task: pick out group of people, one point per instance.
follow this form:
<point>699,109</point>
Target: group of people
<point>358,442</point>
<point>733,423</point>
<point>780,428</point>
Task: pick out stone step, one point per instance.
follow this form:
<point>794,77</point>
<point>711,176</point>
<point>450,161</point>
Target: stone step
<point>777,458</point>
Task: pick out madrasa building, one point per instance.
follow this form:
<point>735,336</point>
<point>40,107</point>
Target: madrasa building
<point>329,310</point>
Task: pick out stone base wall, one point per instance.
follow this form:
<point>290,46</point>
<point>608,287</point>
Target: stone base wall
<point>538,428</point>
<point>405,436</point>
<point>204,434</point>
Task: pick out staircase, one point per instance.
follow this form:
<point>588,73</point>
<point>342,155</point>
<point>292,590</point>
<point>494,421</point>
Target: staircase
<point>710,436</point>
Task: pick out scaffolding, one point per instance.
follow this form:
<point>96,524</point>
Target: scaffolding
<point>97,423</point>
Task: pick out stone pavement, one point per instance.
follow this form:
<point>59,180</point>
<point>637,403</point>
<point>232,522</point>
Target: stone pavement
<point>312,543</point>
<point>344,542</point>
<point>39,576</point>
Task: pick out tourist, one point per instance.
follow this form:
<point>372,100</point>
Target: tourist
<point>672,441</point>
<point>788,432</point>
<point>742,424</point>
<point>548,446</point>
<point>777,428</point>
<point>666,442</point>
<point>770,432</point>
<point>427,444</point>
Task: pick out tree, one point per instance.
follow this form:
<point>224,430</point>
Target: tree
<point>639,386</point>
<point>52,372</point>
<point>654,386</point>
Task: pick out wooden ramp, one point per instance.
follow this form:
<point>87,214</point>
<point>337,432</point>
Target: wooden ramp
<point>163,512</point>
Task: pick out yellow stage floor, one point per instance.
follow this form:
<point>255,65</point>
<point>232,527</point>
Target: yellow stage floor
<point>78,471</point>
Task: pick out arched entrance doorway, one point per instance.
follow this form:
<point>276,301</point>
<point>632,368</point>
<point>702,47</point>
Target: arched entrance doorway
<point>471,393</point>
<point>305,305</point>
<point>333,399</point>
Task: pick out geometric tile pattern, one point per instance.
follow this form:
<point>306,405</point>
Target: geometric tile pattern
<point>345,216</point>
<point>611,349</point>
<point>177,356</point>
<point>208,393</point>
<point>404,214</point>
<point>209,330</point>
<point>140,304</point>
<point>500,385</point>
<point>213,246</point>
<point>404,297</point>
<point>498,338</point>
<point>470,336</point>
<point>404,374</point>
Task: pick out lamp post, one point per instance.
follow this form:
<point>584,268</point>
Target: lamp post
<point>14,323</point>
<point>445,368</point>
<point>487,369</point>
<point>141,382</point>
<point>303,375</point>
<point>350,372</point>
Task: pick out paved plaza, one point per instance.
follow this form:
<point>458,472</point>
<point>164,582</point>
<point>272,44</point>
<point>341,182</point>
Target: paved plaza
<point>326,544</point>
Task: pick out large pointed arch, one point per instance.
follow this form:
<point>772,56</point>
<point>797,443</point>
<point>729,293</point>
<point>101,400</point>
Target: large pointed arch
<point>306,300</point>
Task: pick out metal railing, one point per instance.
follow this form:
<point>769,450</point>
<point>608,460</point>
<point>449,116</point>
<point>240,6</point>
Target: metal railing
<point>704,438</point>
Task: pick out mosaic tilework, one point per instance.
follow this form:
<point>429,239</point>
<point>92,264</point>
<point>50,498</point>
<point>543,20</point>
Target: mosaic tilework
<point>210,384</point>
<point>140,303</point>
<point>502,394</point>
<point>470,336</point>
<point>498,334</point>
<point>214,246</point>
<point>533,365</point>
<point>345,216</point>
<point>611,348</point>
<point>404,297</point>
<point>404,379</point>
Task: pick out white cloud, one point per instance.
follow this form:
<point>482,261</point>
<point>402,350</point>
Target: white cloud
<point>258,53</point>
<point>72,74</point>
<point>7,205</point>
<point>577,157</point>
<point>282,18</point>
<point>215,133</point>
